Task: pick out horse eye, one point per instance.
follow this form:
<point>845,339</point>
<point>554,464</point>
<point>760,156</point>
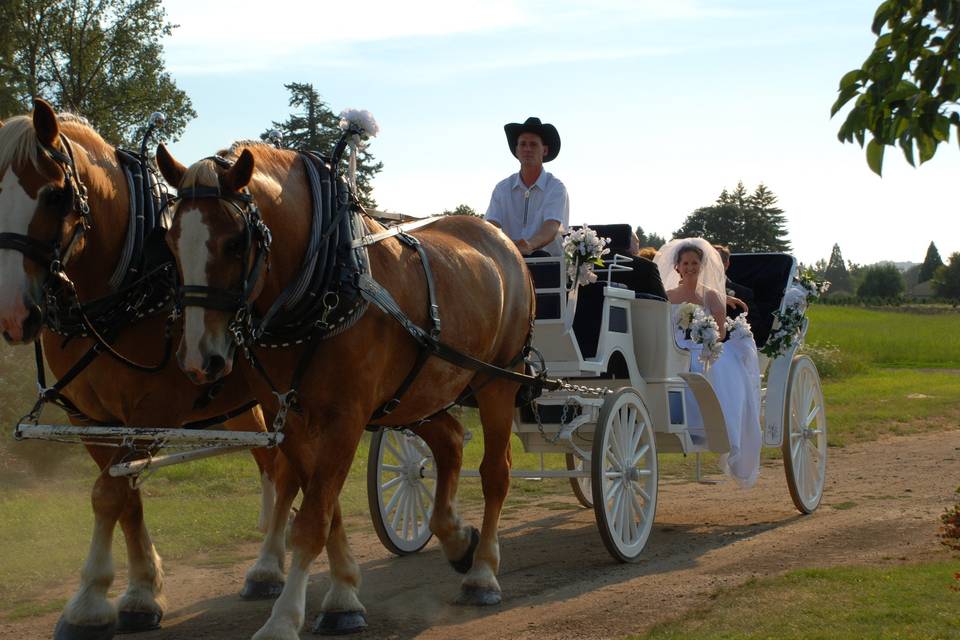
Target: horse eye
<point>54,198</point>
<point>235,246</point>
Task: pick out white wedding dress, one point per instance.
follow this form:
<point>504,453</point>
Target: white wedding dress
<point>735,377</point>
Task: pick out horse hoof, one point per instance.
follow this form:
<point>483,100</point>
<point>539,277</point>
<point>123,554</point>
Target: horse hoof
<point>339,623</point>
<point>67,631</point>
<point>478,596</point>
<point>137,621</point>
<point>260,590</point>
<point>465,563</point>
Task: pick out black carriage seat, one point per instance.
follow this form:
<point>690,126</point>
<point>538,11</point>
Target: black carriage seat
<point>643,280</point>
<point>768,275</point>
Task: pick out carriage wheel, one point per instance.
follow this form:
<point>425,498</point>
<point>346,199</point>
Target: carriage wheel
<point>401,484</point>
<point>805,444</point>
<point>581,486</point>
<point>624,474</point>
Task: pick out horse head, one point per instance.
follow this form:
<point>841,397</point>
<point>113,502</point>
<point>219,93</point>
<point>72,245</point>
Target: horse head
<point>43,215</point>
<point>221,246</point>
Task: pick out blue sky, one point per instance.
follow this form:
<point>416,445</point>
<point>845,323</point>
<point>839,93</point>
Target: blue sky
<point>660,105</point>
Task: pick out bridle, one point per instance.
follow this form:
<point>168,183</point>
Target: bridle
<point>52,254</point>
<point>257,236</point>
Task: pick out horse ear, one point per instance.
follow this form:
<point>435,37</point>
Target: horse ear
<point>45,122</point>
<point>170,169</point>
<point>238,176</point>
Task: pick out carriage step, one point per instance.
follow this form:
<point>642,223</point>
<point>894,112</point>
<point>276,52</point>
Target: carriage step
<point>147,436</point>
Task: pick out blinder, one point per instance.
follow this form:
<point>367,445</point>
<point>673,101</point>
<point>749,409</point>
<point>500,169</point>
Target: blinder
<point>50,254</point>
<point>257,236</point>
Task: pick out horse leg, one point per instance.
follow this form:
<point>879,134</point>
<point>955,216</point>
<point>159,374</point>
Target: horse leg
<point>264,580</point>
<point>444,435</point>
<point>342,611</point>
<point>266,460</point>
<point>480,586</point>
<point>88,614</point>
<point>141,606</point>
<point>313,523</point>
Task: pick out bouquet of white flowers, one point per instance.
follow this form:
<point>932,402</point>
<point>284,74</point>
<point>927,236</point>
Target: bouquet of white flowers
<point>702,329</point>
<point>738,328</point>
<point>811,287</point>
<point>584,249</point>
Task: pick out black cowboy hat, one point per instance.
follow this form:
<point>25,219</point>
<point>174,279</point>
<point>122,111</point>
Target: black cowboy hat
<point>547,132</point>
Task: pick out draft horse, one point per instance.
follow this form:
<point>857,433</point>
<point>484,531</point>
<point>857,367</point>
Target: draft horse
<point>478,298</point>
<point>64,200</point>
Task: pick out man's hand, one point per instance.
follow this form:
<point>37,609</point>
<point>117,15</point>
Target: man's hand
<point>733,302</point>
<point>524,247</point>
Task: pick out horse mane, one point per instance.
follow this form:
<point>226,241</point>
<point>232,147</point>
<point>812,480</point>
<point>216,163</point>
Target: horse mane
<point>18,139</point>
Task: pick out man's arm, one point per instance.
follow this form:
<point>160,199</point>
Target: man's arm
<point>544,236</point>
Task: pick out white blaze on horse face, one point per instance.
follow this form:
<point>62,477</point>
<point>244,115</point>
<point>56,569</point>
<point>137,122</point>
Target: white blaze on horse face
<point>16,211</point>
<point>194,256</point>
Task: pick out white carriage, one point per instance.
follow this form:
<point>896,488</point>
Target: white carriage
<point>624,403</point>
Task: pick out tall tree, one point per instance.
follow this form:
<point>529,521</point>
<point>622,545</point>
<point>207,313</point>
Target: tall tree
<point>931,263</point>
<point>651,239</point>
<point>908,88</point>
<point>462,210</point>
<point>946,282</point>
<point>770,224</point>
<point>102,59</point>
<point>745,222</point>
<point>836,273</point>
<point>314,126</point>
<point>881,281</point>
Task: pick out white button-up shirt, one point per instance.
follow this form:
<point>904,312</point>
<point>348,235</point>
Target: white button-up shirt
<point>521,211</point>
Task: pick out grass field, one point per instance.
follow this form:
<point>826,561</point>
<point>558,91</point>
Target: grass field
<point>884,372</point>
<point>848,603</point>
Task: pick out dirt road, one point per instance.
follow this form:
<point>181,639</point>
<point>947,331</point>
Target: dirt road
<point>881,506</point>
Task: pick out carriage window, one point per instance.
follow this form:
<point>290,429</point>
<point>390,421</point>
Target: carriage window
<point>618,319</point>
<point>675,401</point>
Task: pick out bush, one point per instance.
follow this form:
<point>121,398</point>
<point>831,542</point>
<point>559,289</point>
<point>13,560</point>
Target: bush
<point>881,281</point>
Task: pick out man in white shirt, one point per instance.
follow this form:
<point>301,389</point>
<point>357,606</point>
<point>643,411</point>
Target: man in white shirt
<point>531,206</point>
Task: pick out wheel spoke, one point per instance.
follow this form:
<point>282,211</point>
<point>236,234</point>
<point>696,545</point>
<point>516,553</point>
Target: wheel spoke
<point>616,450</point>
<point>391,483</point>
<point>426,492</point>
<point>812,415</point>
<point>398,501</point>
<point>391,467</point>
<point>639,509</point>
<point>390,443</point>
<point>639,455</point>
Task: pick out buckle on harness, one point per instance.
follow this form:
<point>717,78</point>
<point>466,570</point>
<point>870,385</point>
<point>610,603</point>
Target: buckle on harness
<point>435,318</point>
<point>389,406</point>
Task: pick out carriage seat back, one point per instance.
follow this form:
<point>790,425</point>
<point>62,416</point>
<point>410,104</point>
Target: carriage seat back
<point>768,274</point>
<point>643,278</point>
<point>654,341</point>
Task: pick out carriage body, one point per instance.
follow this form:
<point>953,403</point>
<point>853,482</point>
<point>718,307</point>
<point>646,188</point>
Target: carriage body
<point>629,383</point>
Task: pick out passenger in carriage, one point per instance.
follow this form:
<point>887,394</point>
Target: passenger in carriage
<point>692,271</point>
<point>531,206</point>
<point>739,297</point>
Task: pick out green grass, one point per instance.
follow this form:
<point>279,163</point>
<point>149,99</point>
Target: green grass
<point>887,338</point>
<point>846,603</point>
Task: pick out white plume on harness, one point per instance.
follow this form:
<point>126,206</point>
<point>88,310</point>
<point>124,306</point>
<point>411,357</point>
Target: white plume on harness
<point>363,121</point>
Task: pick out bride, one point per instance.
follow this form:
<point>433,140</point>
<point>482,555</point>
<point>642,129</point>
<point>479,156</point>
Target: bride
<point>692,272</point>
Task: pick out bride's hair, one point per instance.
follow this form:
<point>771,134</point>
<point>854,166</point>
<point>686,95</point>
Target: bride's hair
<point>687,247</point>
<point>712,276</point>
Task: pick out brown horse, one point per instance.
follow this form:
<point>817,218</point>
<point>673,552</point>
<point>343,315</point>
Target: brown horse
<point>486,302</point>
<point>35,209</point>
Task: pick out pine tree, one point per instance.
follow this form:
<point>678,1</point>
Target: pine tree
<point>313,126</point>
<point>652,239</point>
<point>931,263</point>
<point>836,273</point>
<point>744,222</point>
<point>770,223</point>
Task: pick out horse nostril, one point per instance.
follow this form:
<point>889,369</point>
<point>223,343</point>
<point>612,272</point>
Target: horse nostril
<point>214,366</point>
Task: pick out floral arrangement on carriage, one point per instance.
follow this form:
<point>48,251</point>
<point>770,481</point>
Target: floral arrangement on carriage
<point>787,324</point>
<point>584,250</point>
<point>702,329</point>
